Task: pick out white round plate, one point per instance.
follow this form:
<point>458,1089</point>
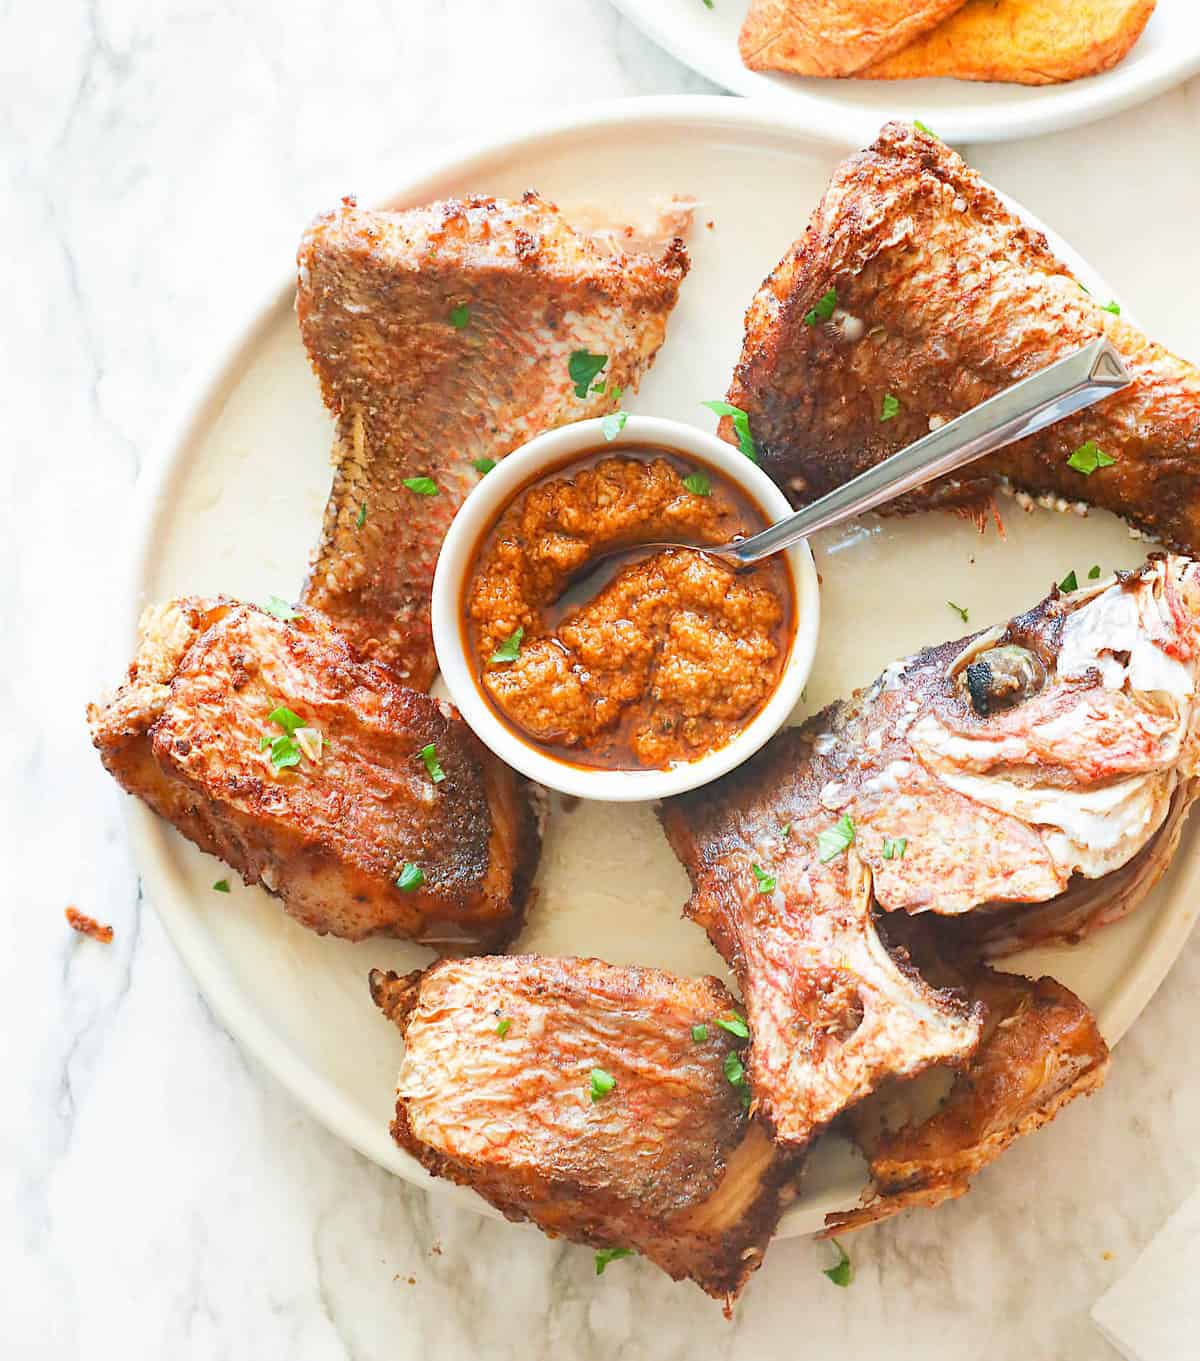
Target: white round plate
<point>235,505</point>
<point>957,110</point>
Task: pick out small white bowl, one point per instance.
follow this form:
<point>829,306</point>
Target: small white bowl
<point>482,508</point>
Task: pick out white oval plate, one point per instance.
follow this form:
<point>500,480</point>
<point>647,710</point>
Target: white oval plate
<point>235,505</point>
<point>957,110</point>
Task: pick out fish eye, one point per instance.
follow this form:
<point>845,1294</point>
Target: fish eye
<point>1000,678</point>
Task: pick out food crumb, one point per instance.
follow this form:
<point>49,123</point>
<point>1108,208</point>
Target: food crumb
<point>709,224</point>
<point>88,926</point>
<point>1107,1256</point>
<point>436,1249</point>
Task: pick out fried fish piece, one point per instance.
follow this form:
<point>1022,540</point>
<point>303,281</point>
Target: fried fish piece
<point>833,37</point>
<point>1031,42</point>
<point>938,296</point>
<point>443,338</point>
<point>328,819</point>
<point>996,769</point>
<point>1041,1049</point>
<point>603,1103</point>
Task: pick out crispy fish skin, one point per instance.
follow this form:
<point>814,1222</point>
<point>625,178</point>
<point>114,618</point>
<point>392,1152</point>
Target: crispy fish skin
<point>944,298</point>
<point>416,395</point>
<point>1042,1048</point>
<point>328,836</point>
<point>833,37</point>
<point>1073,780</point>
<point>667,1163</point>
<point>1030,42</point>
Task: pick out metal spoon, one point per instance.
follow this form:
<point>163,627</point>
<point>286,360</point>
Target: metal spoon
<point>1062,388</point>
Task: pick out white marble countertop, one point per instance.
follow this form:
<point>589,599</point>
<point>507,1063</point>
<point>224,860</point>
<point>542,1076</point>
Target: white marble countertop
<point>159,1194</point>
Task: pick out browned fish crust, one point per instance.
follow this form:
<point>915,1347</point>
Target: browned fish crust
<point>943,298</point>
<point>442,336</point>
<point>494,1094</point>
<point>1042,1049</point>
<point>328,836</point>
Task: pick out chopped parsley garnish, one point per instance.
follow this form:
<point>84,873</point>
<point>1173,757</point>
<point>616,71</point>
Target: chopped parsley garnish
<point>221,886</point>
<point>735,1072</point>
<point>786,830</point>
<point>606,1255</point>
<point>1085,288</point>
<point>583,367</point>
<point>700,1033</point>
<point>362,516</point>
<point>508,649</point>
<point>284,752</point>
<point>411,876</point>
<point>1094,572</point>
<point>708,4</point>
<point>429,756</point>
<point>280,609</point>
<point>1070,582</point>
<point>601,1083</point>
<point>1112,306</point>
<point>765,881</point>
<point>483,465</point>
<point>925,128</point>
<point>824,309</point>
<point>735,1025</point>
<point>614,423</point>
<point>890,407</point>
<point>741,426</point>
<point>284,718</point>
<point>842,1272</point>
<point>503,1026</point>
<point>423,486</point>
<point>460,316</point>
<point>836,839</point>
<point>894,847</point>
<point>960,610</point>
<point>1088,457</point>
<point>264,741</point>
<point>697,484</point>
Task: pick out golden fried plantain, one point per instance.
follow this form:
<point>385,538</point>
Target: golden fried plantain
<point>1029,42</point>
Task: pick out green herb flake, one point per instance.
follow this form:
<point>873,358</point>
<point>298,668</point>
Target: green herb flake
<point>836,839</point>
<point>362,516</point>
<point>221,886</point>
<point>824,309</point>
<point>483,465</point>
<point>265,741</point>
<point>741,426</point>
<point>284,752</point>
<point>606,1255</point>
<point>583,368</point>
<point>926,129</point>
<point>698,484</point>
<point>460,316</point>
<point>411,876</point>
<point>700,1033</point>
<point>1085,288</point>
<point>1070,582</point>
<point>708,4</point>
<point>1112,306</point>
<point>735,1025</point>
<point>1094,572</point>
<point>785,831</point>
<point>765,881</point>
<point>280,609</point>
<point>960,610</point>
<point>889,408</point>
<point>600,1083</point>
<point>613,424</point>
<point>503,1026</point>
<point>285,718</point>
<point>508,649</point>
<point>422,486</point>
<point>429,756</point>
<point>735,1072</point>
<point>1088,457</point>
<point>842,1271</point>
<point>894,847</point>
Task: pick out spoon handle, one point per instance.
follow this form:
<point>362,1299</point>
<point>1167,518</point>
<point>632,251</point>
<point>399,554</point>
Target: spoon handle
<point>1066,386</point>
